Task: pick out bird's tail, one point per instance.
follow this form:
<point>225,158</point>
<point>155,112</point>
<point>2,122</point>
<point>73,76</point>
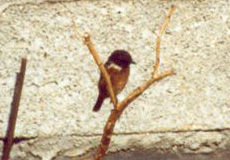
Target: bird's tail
<point>98,104</point>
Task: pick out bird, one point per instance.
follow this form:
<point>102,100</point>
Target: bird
<point>118,69</point>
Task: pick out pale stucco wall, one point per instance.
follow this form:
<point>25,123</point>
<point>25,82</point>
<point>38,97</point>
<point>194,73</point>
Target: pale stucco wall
<point>60,85</point>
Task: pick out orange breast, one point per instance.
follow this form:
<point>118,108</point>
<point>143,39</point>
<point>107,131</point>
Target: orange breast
<point>118,78</point>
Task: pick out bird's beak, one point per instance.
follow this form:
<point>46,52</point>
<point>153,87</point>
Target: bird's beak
<point>133,62</point>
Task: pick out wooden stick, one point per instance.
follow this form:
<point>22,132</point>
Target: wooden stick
<point>14,111</point>
<point>105,75</point>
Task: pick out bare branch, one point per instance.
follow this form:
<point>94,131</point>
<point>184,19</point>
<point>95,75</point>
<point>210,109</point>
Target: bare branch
<point>115,114</point>
<point>119,108</point>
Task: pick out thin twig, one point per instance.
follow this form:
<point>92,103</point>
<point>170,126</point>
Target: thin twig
<point>158,40</point>
<point>14,111</point>
<point>77,30</point>
<point>105,75</point>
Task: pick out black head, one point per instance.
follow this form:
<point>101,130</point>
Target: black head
<point>121,57</point>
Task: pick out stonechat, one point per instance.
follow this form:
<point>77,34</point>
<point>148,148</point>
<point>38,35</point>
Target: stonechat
<point>118,69</point>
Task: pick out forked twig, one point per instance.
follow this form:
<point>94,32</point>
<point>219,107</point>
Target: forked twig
<point>14,110</point>
<point>115,114</point>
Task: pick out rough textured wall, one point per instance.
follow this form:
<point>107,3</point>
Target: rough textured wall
<point>190,109</point>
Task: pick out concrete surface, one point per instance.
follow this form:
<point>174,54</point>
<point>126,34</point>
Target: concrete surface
<point>188,112</point>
